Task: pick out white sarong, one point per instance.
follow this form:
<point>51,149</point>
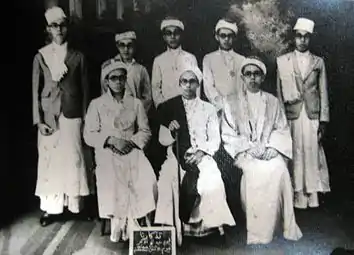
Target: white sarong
<point>61,168</point>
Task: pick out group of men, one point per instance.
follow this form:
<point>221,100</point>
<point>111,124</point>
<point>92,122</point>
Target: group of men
<point>265,137</point>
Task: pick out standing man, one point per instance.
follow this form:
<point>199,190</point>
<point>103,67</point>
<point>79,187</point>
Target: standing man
<point>221,78</point>
<point>302,87</point>
<point>138,79</point>
<point>221,68</point>
<point>166,67</point>
<point>60,99</point>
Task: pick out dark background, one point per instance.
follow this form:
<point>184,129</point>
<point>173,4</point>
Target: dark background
<point>334,40</point>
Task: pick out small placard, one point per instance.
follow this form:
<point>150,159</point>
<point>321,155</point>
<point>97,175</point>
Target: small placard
<point>152,240</point>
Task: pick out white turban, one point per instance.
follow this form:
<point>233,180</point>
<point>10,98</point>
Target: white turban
<point>113,65</point>
<point>225,24</point>
<point>192,68</point>
<point>53,14</point>
<point>304,24</point>
<point>125,35</point>
<point>171,22</point>
<point>256,62</point>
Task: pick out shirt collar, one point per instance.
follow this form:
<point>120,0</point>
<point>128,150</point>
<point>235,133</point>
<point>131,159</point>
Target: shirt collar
<point>231,51</point>
<point>113,99</point>
<point>302,54</point>
<point>119,58</point>
<point>175,51</point>
<point>63,46</point>
<point>253,95</point>
<point>189,101</point>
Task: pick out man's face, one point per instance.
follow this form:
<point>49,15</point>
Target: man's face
<point>117,80</point>
<point>126,48</point>
<point>189,84</point>
<point>172,36</point>
<point>225,38</point>
<point>58,31</point>
<point>253,77</point>
<point>302,40</point>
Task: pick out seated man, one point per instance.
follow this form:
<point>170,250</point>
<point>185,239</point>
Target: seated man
<point>117,127</point>
<point>256,134</point>
<point>201,201</point>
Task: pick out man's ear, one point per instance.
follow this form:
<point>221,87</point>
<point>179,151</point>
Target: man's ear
<point>216,37</point>
<point>263,78</point>
<point>242,76</point>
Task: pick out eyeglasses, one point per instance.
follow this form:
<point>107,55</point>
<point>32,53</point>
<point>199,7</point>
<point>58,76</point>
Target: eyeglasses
<point>126,45</point>
<point>172,33</point>
<point>300,36</point>
<point>58,25</point>
<point>224,35</point>
<point>116,78</point>
<point>248,74</point>
<point>190,81</point>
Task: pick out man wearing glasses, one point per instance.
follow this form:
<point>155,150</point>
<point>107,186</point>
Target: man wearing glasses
<point>256,135</point>
<point>60,98</point>
<point>221,67</point>
<point>200,202</point>
<point>167,66</point>
<point>138,80</point>
<point>116,126</point>
<point>302,87</point>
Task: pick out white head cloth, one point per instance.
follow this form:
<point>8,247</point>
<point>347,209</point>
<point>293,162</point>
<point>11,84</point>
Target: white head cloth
<point>256,62</point>
<point>53,14</point>
<point>304,24</point>
<point>225,24</point>
<point>113,65</point>
<point>193,68</point>
<point>171,22</point>
<point>125,35</point>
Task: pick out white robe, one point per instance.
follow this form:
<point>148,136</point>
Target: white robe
<point>213,210</point>
<point>126,184</point>
<point>221,75</point>
<point>62,175</point>
<point>266,189</point>
<point>166,70</point>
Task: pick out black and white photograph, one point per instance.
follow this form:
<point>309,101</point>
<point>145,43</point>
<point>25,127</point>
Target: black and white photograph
<point>174,127</point>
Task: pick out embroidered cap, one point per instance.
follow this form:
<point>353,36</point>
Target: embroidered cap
<point>304,24</point>
<point>171,22</point>
<point>111,66</point>
<point>254,61</point>
<point>225,24</point>
<point>125,35</point>
<point>53,14</point>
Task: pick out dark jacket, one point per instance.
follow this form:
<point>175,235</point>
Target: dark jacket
<point>68,96</point>
<point>173,109</point>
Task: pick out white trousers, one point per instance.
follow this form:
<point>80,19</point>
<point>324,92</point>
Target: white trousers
<point>54,204</point>
<point>309,162</point>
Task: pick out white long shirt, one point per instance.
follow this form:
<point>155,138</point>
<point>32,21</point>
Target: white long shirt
<point>221,75</point>
<point>303,60</point>
<point>165,73</point>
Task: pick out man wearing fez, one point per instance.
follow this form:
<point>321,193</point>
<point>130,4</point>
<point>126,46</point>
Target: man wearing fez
<point>256,134</point>
<point>302,87</point>
<point>138,79</point>
<point>221,67</point>
<point>167,66</point>
<point>60,98</point>
<point>201,202</point>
